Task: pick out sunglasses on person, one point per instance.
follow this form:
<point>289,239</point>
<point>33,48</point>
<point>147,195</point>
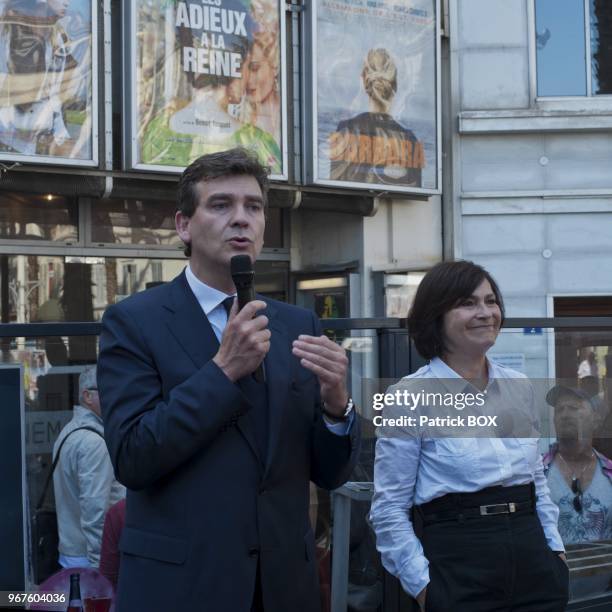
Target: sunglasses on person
<point>577,491</point>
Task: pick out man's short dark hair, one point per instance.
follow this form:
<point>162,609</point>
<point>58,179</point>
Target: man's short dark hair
<point>441,289</point>
<point>232,162</point>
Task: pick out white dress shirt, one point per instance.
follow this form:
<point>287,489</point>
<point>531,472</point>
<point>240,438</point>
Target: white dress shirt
<point>412,468</point>
<point>211,302</point>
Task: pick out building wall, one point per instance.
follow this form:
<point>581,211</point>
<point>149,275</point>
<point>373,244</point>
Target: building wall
<point>404,235</point>
<point>531,185</point>
<point>401,235</point>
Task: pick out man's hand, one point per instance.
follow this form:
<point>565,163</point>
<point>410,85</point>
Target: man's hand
<point>421,597</point>
<point>328,362</point>
<point>245,341</point>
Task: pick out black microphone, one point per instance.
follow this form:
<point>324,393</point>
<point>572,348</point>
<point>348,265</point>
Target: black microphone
<point>242,275</point>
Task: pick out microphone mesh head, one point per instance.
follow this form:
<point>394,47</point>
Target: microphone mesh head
<point>241,264</point>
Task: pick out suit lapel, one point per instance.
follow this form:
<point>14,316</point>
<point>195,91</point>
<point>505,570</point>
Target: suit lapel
<point>190,326</point>
<point>276,365</point>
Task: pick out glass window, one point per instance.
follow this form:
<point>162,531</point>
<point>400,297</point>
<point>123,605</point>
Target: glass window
<point>601,47</point>
<point>151,222</point>
<point>51,368</point>
<point>570,372</point>
<point>274,235</point>
<point>560,48</point>
<point>25,216</point>
<point>73,288</point>
<point>565,64</point>
<point>400,290</point>
<point>140,222</point>
<point>45,288</point>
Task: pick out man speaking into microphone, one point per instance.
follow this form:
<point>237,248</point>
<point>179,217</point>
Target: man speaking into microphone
<point>217,418</point>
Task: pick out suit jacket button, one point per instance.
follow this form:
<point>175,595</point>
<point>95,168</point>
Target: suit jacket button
<point>253,552</point>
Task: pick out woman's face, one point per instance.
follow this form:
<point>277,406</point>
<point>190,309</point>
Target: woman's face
<point>473,324</point>
<point>59,6</point>
<point>260,76</point>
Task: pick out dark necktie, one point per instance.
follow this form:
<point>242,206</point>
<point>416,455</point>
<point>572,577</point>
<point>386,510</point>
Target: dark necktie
<point>227,304</point>
<point>257,395</point>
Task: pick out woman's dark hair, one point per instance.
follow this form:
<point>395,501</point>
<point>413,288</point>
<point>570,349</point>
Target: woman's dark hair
<point>232,162</point>
<point>441,289</point>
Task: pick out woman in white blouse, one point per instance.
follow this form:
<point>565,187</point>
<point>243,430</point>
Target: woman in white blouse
<point>488,536</point>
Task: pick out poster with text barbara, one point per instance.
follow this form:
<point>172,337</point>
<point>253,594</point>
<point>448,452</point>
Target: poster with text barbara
<point>48,81</point>
<point>375,95</point>
<point>206,75</point>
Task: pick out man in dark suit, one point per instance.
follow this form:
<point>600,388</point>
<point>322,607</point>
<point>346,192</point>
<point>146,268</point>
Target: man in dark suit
<point>218,465</point>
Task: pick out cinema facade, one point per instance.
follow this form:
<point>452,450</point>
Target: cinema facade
<point>397,133</point>
<point>92,145</point>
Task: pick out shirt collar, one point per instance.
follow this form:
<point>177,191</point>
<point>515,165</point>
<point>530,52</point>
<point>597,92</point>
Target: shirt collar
<point>208,297</point>
<point>442,370</point>
<point>85,414</point>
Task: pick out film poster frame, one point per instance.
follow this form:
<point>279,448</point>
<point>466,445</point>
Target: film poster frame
<point>130,100</point>
<point>94,161</point>
<point>311,119</point>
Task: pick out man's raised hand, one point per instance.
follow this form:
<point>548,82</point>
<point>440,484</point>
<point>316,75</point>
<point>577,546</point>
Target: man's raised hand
<point>245,341</point>
<point>329,363</point>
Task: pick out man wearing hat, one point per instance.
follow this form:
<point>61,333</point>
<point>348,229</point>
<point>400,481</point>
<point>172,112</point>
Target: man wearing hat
<point>579,478</point>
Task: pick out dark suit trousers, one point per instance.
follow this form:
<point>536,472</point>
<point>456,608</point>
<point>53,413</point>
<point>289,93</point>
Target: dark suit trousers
<point>493,564</point>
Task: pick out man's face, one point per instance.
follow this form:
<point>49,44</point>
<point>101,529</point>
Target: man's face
<point>91,400</point>
<point>574,418</point>
<point>229,220</point>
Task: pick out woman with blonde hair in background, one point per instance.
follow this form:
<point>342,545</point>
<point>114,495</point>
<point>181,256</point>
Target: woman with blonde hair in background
<point>373,147</point>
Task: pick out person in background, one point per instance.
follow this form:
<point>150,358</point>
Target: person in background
<point>109,555</point>
<point>579,477</point>
<point>588,366</point>
<point>83,481</point>
<point>489,538</point>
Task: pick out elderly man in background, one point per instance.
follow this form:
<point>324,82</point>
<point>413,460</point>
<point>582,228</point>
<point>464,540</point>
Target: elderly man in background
<point>84,482</point>
<point>579,477</point>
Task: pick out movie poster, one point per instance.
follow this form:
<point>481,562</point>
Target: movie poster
<point>207,77</point>
<point>375,95</point>
<point>48,84</point>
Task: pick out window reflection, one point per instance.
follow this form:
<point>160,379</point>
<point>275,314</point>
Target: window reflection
<point>560,48</point>
<point>601,47</point>
<point>578,465</point>
<point>151,222</point>
<point>273,236</point>
<point>46,288</point>
<point>575,426</point>
<point>400,290</point>
<point>148,222</point>
<point>38,217</point>
<point>73,288</point>
<point>50,378</point>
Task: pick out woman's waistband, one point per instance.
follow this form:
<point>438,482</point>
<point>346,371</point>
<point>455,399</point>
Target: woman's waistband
<point>517,499</point>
